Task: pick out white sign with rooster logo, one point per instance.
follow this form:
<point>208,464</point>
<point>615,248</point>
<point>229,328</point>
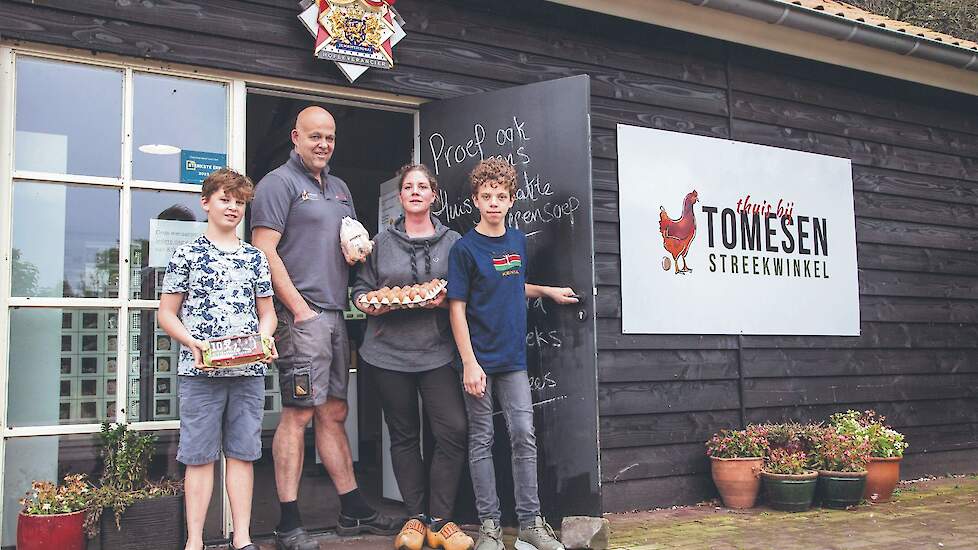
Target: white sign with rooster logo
<point>724,237</point>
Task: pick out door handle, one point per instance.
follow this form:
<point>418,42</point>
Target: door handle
<point>581,308</point>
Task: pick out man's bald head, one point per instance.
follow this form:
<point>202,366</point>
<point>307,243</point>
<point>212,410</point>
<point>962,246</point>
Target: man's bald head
<point>314,137</point>
<point>312,116</point>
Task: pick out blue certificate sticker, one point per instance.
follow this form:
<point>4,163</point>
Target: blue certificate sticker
<point>195,166</point>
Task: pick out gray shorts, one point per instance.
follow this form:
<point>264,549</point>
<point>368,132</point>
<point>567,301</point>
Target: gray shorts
<point>313,357</point>
<point>220,413</point>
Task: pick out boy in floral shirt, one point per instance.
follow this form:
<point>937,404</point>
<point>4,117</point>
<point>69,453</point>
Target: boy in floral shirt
<point>217,286</point>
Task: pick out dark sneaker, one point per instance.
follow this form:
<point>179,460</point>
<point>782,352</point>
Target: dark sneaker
<point>377,524</point>
<point>296,539</point>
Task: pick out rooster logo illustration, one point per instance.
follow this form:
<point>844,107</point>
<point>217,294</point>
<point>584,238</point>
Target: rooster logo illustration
<point>678,234</point>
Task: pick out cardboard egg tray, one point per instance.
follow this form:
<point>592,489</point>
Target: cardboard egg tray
<point>404,297</point>
<point>232,351</point>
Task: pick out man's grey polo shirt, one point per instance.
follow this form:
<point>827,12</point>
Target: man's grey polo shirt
<point>290,201</point>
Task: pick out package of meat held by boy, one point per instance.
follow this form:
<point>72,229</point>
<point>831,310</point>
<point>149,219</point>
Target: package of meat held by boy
<point>404,297</point>
<point>233,351</point>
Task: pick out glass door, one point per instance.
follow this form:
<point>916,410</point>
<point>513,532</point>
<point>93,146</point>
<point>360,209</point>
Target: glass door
<point>372,143</point>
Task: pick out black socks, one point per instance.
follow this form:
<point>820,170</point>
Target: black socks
<point>290,517</point>
<point>353,506</point>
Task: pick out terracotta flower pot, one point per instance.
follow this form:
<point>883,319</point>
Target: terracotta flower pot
<point>883,476</point>
<point>840,489</point>
<point>738,480</point>
<point>789,492</point>
<point>61,531</point>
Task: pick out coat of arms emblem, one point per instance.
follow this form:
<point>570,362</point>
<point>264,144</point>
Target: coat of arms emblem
<point>356,34</point>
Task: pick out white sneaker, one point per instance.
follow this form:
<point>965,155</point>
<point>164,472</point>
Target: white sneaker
<point>490,536</point>
<point>539,536</point>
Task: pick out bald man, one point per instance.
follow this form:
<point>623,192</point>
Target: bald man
<point>295,220</point>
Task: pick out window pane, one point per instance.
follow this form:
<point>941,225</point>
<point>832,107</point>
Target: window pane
<point>69,118</point>
<point>65,241</point>
<point>175,118</point>
<point>62,366</point>
<point>161,221</point>
<point>153,379</point>
<point>51,457</point>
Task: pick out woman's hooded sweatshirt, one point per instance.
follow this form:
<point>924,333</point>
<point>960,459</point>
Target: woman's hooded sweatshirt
<point>407,340</point>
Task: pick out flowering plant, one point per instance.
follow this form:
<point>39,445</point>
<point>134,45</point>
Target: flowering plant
<point>839,452</point>
<point>884,442</point>
<point>748,443</point>
<point>782,461</point>
<point>792,436</point>
<point>45,498</point>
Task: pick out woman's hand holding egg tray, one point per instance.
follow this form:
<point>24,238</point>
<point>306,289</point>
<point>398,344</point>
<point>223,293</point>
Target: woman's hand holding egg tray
<point>404,297</point>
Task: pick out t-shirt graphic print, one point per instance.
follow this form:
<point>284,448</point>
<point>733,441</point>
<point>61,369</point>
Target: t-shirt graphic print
<point>508,264</point>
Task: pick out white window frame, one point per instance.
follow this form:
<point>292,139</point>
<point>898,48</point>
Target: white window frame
<point>122,304</point>
<point>239,85</point>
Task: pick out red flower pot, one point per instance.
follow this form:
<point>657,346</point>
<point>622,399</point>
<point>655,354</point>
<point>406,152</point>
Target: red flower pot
<point>61,531</point>
<point>737,479</point>
<point>883,476</point>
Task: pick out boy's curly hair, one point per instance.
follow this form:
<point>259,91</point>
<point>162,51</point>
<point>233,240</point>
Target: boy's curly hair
<point>496,172</point>
<point>234,184</point>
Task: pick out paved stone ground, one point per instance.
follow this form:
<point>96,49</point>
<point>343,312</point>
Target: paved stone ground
<point>931,514</point>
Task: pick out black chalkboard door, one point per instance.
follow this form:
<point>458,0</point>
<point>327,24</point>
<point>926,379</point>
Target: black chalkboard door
<point>544,130</point>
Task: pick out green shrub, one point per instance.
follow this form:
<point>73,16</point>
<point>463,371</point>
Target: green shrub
<point>126,455</point>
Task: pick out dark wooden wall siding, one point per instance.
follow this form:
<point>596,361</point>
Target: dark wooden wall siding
<point>915,171</point>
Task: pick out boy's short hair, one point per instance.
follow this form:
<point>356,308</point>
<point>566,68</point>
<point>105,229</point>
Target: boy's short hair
<point>496,172</point>
<point>234,184</point>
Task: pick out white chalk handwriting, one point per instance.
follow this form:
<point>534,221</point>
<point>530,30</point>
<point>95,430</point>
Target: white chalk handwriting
<point>546,380</point>
<point>543,338</point>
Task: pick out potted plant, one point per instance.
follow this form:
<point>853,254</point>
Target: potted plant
<point>736,459</point>
<point>143,514</point>
<point>841,461</point>
<point>788,483</point>
<point>792,436</point>
<point>886,451</point>
<point>54,516</point>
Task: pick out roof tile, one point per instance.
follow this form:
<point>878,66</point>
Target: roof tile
<point>846,11</point>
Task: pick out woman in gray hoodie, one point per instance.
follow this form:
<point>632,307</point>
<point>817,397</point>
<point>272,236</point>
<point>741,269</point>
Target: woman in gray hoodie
<point>411,351</point>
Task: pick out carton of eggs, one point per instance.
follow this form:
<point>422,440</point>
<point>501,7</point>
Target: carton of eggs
<point>401,297</point>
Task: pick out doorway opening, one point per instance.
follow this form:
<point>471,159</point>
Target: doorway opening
<point>372,142</point>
